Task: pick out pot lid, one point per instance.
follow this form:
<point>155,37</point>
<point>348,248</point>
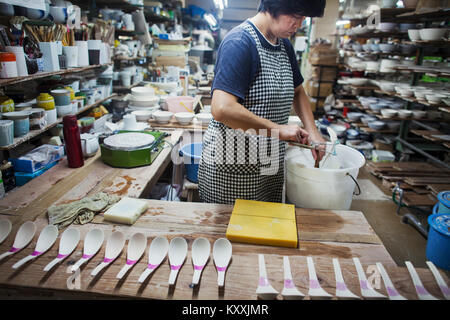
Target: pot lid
<point>440,222</point>
<point>129,141</point>
<point>444,198</point>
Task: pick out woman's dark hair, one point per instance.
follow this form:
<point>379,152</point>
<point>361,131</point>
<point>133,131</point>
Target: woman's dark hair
<point>306,8</point>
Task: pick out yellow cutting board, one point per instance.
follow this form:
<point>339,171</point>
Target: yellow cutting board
<point>266,223</point>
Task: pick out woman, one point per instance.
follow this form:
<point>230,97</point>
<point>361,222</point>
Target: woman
<point>256,83</point>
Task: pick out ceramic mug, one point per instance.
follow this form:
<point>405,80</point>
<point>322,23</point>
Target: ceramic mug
<point>89,144</point>
<point>61,96</point>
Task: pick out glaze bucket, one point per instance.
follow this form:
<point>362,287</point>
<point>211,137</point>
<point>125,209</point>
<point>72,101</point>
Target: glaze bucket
<point>438,244</point>
<point>191,154</point>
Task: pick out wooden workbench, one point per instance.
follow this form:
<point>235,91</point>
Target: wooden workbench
<point>323,235</point>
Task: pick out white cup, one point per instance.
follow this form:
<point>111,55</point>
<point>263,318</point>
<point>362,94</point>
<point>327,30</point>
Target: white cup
<point>20,59</point>
<point>59,47</point>
<point>50,116</point>
<point>94,44</point>
<point>126,78</point>
<point>129,121</point>
<point>71,54</point>
<point>50,55</point>
<point>83,53</point>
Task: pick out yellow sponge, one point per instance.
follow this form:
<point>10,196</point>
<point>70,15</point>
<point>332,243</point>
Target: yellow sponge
<point>264,223</point>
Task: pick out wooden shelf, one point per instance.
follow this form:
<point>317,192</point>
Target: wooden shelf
<point>410,99</point>
<point>129,33</point>
<point>40,75</point>
<point>380,34</point>
<point>124,5</point>
<point>436,71</point>
<point>123,88</point>
<point>434,15</point>
<point>412,119</point>
<point>124,58</point>
<point>35,133</point>
<point>423,43</point>
<point>387,14</point>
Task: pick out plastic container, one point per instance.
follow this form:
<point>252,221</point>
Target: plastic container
<point>175,104</point>
<point>443,205</point>
<point>438,244</point>
<point>191,154</point>
<point>72,141</point>
<point>382,156</point>
<point>330,186</point>
<point>20,59</point>
<point>6,132</point>
<point>8,65</point>
<point>24,177</point>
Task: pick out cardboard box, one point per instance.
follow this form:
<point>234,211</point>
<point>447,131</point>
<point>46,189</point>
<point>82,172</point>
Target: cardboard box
<point>323,55</point>
<point>328,74</point>
<point>312,88</point>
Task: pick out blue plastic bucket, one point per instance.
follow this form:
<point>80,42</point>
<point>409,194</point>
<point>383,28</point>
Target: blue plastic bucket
<point>443,206</point>
<point>191,154</point>
<point>438,245</point>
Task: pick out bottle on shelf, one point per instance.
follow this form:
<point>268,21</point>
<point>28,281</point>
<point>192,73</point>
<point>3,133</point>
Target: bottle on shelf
<point>73,142</point>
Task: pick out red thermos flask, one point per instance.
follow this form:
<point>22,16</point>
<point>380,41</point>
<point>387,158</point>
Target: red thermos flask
<point>73,141</point>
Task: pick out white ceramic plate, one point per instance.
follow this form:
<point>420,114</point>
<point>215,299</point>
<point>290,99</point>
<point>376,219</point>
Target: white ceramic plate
<point>129,140</point>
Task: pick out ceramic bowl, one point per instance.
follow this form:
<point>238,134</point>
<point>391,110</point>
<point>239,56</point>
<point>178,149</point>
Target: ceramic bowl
<point>388,47</point>
<point>358,81</point>
<point>393,125</point>
<point>368,119</point>
<point>375,47</point>
<point>387,26</point>
<point>414,34</point>
<point>162,116</point>
<point>357,47</point>
<point>435,98</point>
<point>417,114</point>
<point>63,110</point>
<point>15,115</point>
<point>387,86</point>
<point>354,116</point>
<point>432,34</point>
<point>142,115</point>
<point>166,86</point>
<point>407,48</point>
<point>420,94</point>
<point>144,102</point>
<point>406,92</point>
<point>404,114</point>
<point>376,125</point>
<point>204,118</point>
<point>184,118</point>
<point>142,92</point>
<point>58,14</point>
<point>372,66</point>
<point>6,9</point>
<point>404,27</point>
<point>367,47</point>
<point>388,113</point>
<point>396,105</point>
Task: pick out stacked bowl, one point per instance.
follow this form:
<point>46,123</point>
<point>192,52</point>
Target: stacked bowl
<point>143,98</point>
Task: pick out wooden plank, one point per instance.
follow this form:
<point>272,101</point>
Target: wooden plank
<point>323,235</point>
<point>413,199</point>
<point>437,188</point>
<point>174,124</point>
<point>423,181</point>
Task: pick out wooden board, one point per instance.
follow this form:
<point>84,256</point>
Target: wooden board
<point>174,124</point>
<point>323,234</point>
<point>437,188</point>
<point>62,184</point>
<point>423,181</point>
<point>414,199</point>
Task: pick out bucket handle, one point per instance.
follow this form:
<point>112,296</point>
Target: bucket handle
<point>356,182</point>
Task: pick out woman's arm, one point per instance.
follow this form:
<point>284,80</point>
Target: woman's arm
<point>227,110</point>
<point>303,110</point>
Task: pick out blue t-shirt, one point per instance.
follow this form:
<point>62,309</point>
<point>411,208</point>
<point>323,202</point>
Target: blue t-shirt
<point>238,61</point>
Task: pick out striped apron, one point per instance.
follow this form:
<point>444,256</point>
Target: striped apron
<point>238,165</point>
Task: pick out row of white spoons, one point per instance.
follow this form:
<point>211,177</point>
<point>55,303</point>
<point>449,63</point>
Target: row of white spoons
<point>159,248</point>
<point>266,291</point>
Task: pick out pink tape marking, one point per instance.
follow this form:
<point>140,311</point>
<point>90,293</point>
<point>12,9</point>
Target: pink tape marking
<point>421,290</point>
<point>314,284</point>
<point>289,284</point>
<point>263,282</point>
<point>107,260</point>
<point>87,256</point>
<point>198,267</point>
<point>152,266</point>
<point>445,290</point>
<point>392,292</point>
<point>341,286</point>
<point>221,268</point>
<point>131,262</point>
<point>14,249</point>
<point>36,253</point>
<point>363,285</point>
<point>175,267</point>
<point>60,256</point>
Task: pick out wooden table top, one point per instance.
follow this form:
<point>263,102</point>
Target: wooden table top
<point>323,235</point>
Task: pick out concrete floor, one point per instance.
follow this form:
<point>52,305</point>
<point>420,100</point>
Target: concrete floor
<point>403,241</point>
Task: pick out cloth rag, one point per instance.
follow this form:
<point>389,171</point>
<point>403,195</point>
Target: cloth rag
<point>81,211</point>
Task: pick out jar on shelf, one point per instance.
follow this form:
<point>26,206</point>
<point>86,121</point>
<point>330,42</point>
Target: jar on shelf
<point>8,65</point>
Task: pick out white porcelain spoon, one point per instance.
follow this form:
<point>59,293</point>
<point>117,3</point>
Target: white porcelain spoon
<point>392,292</point>
<point>5,229</point>
<point>290,291</point>
<point>264,290</point>
<point>420,289</point>
<point>68,242</point>
<point>45,241</point>
<point>23,237</point>
<point>92,243</point>
<point>201,249</point>
<point>342,291</point>
<point>440,281</point>
<point>315,290</point>
<point>114,247</point>
<point>222,252</point>
<point>366,290</point>
<point>136,248</point>
<point>177,254</point>
<point>156,254</point>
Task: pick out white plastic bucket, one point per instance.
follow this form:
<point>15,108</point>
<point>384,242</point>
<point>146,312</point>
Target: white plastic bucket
<point>330,186</point>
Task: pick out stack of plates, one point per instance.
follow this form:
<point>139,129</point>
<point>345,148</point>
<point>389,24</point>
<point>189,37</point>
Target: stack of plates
<point>142,97</point>
<point>129,141</point>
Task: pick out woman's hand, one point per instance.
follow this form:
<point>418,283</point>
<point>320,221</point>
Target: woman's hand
<point>293,133</point>
<point>321,148</point>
